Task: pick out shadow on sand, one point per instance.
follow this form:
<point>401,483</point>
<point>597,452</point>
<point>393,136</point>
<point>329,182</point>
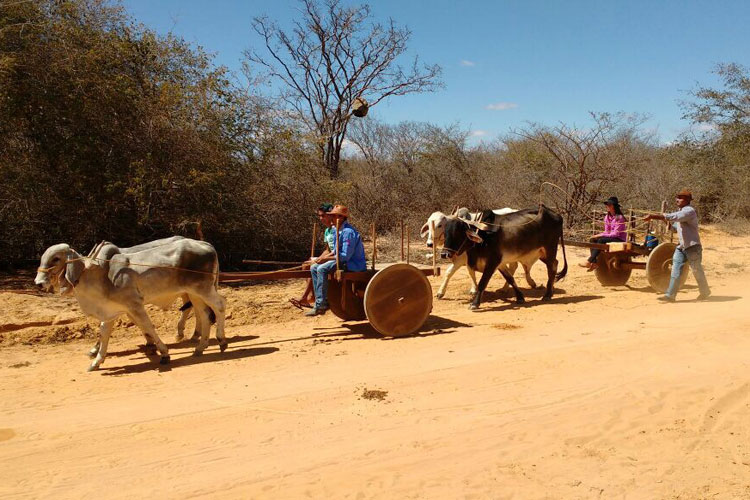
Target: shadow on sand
<point>648,289</point>
<point>152,363</point>
<point>435,325</point>
<point>713,298</point>
<point>186,343</point>
<point>484,307</point>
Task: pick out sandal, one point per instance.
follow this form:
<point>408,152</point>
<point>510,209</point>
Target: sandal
<point>299,304</point>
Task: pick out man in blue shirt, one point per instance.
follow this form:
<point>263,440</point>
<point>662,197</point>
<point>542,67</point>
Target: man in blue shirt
<point>351,253</point>
<point>685,222</point>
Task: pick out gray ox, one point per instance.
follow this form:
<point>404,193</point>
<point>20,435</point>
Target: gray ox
<point>438,219</point>
<point>106,249</point>
<point>124,283</point>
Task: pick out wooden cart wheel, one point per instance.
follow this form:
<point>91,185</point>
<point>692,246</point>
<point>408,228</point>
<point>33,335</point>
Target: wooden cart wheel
<point>609,272</point>
<point>351,309</point>
<point>398,300</point>
<point>659,267</point>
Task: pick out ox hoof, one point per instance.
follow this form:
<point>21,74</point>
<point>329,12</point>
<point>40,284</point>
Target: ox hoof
<point>440,295</point>
<point>520,300</point>
<point>223,346</point>
<point>196,337</point>
<point>92,368</point>
<point>197,353</point>
<point>179,338</point>
<point>547,298</point>
<point>473,307</point>
<point>164,360</point>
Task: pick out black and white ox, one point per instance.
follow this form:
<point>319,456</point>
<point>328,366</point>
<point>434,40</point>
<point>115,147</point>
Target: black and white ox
<point>523,236</point>
<point>438,220</point>
<point>125,282</point>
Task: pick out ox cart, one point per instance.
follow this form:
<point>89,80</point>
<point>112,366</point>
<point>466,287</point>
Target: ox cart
<point>617,260</point>
<point>396,299</point>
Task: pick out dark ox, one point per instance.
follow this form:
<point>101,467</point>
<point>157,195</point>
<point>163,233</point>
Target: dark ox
<point>522,236</point>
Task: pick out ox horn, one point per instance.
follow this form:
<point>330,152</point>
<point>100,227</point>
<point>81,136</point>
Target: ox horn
<point>479,225</point>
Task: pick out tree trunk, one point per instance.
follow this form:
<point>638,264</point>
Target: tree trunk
<point>332,155</point>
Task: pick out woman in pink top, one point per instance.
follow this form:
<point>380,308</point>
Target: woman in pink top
<point>614,230</point>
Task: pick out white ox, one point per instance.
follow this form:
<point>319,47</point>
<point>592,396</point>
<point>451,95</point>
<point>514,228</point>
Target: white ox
<point>437,220</point>
<point>125,282</point>
<point>106,249</point>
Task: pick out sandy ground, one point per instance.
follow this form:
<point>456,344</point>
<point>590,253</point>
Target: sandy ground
<point>601,393</point>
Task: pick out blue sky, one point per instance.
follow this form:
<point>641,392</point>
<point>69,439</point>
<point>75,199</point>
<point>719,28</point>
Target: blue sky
<point>509,62</point>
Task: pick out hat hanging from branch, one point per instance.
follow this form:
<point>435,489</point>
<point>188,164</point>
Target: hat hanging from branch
<point>360,107</point>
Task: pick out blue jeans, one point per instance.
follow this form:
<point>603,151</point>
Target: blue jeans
<point>694,257</point>
<point>320,274</point>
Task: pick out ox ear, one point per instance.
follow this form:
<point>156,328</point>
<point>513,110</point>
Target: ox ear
<point>73,271</point>
<point>473,236</point>
<point>423,231</point>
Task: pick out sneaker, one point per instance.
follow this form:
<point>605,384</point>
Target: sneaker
<point>665,298</point>
<point>316,311</point>
<point>704,296</point>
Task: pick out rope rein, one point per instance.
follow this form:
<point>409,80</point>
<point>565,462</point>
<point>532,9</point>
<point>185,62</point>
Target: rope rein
<point>157,266</point>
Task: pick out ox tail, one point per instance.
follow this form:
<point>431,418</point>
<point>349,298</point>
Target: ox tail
<point>564,271</point>
<point>211,314</point>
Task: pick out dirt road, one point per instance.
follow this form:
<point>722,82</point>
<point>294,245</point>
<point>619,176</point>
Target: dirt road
<point>602,393</point>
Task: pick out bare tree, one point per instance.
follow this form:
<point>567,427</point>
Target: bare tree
<point>334,55</point>
<point>587,161</point>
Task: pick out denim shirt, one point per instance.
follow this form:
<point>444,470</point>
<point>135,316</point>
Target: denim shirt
<point>352,251</point>
<point>685,222</point>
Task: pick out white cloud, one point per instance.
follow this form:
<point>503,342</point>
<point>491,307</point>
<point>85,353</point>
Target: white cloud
<point>465,62</point>
<point>478,133</point>
<point>502,106</point>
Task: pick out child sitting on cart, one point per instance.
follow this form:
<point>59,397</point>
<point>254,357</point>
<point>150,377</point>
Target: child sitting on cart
<point>614,230</point>
<point>351,256</point>
<point>308,298</point>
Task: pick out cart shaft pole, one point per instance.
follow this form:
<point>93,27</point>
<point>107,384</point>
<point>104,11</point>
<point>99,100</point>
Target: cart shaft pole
<point>434,246</point>
<point>402,240</point>
<point>314,240</point>
<point>374,246</point>
<point>338,224</point>
<point>408,244</point>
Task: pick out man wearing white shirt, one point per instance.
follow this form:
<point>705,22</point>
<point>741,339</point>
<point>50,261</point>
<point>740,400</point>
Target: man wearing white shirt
<point>685,222</point>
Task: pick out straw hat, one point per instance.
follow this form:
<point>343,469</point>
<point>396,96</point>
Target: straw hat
<point>685,193</point>
<point>339,210</point>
